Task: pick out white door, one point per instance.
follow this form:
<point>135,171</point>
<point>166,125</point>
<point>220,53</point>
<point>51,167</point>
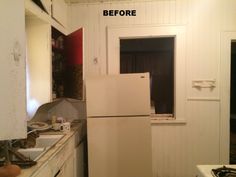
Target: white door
<point>12,70</point>
<point>118,95</point>
<point>119,147</point>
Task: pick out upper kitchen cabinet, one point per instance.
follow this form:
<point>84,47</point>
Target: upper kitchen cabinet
<point>74,74</point>
<point>50,74</point>
<point>38,44</point>
<point>67,64</point>
<point>53,12</point>
<point>39,9</point>
<point>44,5</point>
<point>12,70</point>
<point>59,11</point>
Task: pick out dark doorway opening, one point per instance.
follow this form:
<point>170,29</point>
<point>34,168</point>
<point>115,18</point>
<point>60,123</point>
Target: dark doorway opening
<point>156,56</point>
<point>233,105</point>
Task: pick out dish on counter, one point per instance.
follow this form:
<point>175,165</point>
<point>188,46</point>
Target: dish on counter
<point>39,126</point>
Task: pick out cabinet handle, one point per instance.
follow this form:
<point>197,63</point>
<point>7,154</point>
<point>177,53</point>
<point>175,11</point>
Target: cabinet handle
<point>59,171</point>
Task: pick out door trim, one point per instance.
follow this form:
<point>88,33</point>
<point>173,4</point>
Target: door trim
<point>225,62</point>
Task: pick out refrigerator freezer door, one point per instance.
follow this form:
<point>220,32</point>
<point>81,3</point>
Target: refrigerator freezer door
<point>119,147</point>
<point>118,95</point>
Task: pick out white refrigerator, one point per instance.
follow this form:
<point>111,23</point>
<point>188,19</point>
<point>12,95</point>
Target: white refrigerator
<point>118,125</point>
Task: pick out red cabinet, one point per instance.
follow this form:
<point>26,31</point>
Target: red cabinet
<point>67,64</point>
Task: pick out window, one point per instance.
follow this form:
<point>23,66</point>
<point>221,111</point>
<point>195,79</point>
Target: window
<point>115,36</point>
<point>156,56</point>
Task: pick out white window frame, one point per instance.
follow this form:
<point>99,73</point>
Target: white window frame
<point>115,33</point>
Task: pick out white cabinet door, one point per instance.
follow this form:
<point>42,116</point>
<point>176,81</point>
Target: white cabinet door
<point>67,170</point>
<point>12,70</point>
<point>68,167</point>
<point>59,11</point>
<point>44,172</point>
<point>79,160</point>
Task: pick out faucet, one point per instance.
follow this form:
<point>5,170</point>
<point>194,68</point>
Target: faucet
<point>6,152</point>
<point>32,133</point>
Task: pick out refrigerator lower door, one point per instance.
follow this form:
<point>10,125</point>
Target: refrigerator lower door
<point>119,147</point>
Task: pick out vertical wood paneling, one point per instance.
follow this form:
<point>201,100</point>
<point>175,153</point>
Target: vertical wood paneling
<point>169,146</point>
<point>160,14</point>
<point>204,44</point>
<point>203,134</point>
<point>141,13</point>
<point>228,16</point>
<point>172,10</point>
<point>96,38</point>
<point>102,43</point>
<point>177,148</point>
<point>166,12</point>
<point>148,16</point>
<point>181,11</point>
<point>154,13</point>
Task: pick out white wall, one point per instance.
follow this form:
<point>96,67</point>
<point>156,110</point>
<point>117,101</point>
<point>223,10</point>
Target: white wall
<point>177,148</point>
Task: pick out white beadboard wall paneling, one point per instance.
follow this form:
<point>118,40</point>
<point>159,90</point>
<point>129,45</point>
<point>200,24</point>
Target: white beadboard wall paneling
<point>148,16</point>
<point>79,14</point>
<point>202,134</point>
<point>228,16</point>
<point>177,148</point>
<point>166,12</point>
<point>92,30</point>
<point>140,14</point>
<point>181,11</point>
<point>126,19</point>
<point>172,10</point>
<point>204,45</point>
<point>169,150</point>
<point>96,40</point>
<point>103,41</point>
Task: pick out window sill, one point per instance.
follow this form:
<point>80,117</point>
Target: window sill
<point>166,120</point>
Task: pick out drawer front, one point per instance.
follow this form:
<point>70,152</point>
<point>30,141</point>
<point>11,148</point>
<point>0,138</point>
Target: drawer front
<point>58,160</point>
<point>44,172</point>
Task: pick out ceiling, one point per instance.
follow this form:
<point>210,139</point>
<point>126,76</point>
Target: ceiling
<point>96,1</point>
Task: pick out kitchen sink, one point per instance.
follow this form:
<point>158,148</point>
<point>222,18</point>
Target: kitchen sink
<point>43,143</point>
<point>32,153</point>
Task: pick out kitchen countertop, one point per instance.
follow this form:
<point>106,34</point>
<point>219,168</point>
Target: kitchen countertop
<point>41,162</point>
<point>205,170</point>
